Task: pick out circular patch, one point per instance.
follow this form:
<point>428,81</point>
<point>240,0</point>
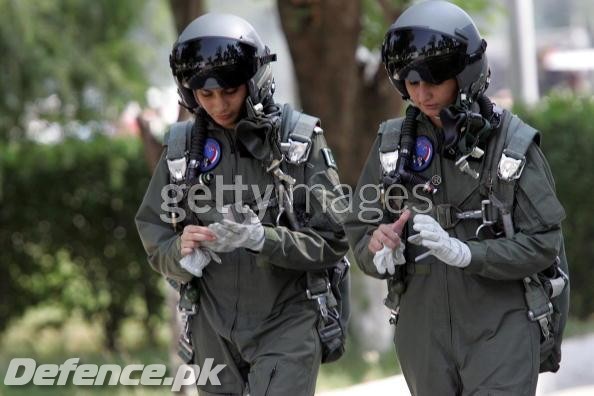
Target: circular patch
<point>423,154</point>
<point>212,154</point>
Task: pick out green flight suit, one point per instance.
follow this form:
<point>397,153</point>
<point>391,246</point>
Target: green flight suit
<point>466,331</point>
<point>254,315</point>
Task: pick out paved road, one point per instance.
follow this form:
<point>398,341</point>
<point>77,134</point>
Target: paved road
<point>575,378</point>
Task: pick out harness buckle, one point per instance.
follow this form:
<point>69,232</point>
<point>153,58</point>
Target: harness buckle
<point>177,168</point>
<point>322,300</point>
<point>510,165</point>
<point>394,315</point>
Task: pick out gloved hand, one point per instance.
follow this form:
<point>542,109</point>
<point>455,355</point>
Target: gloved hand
<point>387,259</point>
<point>232,235</point>
<point>450,250</point>
<point>195,262</point>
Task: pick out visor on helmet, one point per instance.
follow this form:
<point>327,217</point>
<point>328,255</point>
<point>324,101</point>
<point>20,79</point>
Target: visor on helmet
<point>421,54</point>
<point>215,62</point>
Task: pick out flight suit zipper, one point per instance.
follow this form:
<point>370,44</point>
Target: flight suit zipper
<point>446,266</point>
<point>233,149</point>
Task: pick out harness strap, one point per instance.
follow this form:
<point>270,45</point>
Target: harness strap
<point>177,142</point>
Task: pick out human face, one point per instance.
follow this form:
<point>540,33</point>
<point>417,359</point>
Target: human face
<point>223,105</point>
<point>431,98</point>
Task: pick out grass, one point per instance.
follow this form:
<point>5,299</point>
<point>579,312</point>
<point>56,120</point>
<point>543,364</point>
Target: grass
<point>48,336</point>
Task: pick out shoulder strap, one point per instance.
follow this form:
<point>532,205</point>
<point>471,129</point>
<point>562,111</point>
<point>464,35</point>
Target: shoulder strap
<point>297,125</point>
<point>177,141</point>
<point>518,139</point>
<point>504,165</point>
<point>296,131</point>
<point>389,132</point>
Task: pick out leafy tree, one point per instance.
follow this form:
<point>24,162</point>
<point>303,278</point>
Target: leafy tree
<point>335,50</point>
<point>568,142</point>
<point>68,236</point>
<point>79,54</point>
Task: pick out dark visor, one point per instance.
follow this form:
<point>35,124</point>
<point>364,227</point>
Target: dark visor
<point>422,54</point>
<point>212,62</point>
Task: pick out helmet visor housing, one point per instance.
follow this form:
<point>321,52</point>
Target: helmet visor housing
<point>213,62</point>
<point>422,54</point>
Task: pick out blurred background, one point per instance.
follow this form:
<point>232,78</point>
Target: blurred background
<point>86,95</point>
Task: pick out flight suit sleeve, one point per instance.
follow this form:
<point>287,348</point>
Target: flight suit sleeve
<point>160,241</point>
<point>366,212</point>
<point>321,242</point>
<point>537,218</point>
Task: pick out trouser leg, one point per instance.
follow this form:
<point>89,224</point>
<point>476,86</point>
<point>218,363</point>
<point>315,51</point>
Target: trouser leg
<point>505,364</point>
<point>210,345</point>
<point>423,340</point>
<point>288,355</point>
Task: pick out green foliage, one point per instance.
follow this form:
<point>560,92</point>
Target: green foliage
<point>375,18</point>
<point>567,129</point>
<point>68,235</point>
<point>79,51</point>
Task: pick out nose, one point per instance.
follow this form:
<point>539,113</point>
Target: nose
<point>425,91</point>
<point>221,104</point>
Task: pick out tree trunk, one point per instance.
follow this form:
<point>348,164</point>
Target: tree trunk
<point>323,37</point>
<point>185,11</point>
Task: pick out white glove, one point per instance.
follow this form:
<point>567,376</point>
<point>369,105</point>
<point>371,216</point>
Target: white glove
<point>232,235</point>
<point>195,262</point>
<point>387,259</point>
<point>450,250</point>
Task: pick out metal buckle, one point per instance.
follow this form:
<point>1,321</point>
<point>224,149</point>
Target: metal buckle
<point>485,212</point>
<point>510,166</point>
<point>448,216</point>
<point>298,151</point>
<point>464,167</point>
<point>537,316</point>
<point>394,315</point>
<point>322,300</point>
<point>542,319</point>
<point>186,311</point>
<point>389,160</point>
<point>312,296</point>
<point>177,168</point>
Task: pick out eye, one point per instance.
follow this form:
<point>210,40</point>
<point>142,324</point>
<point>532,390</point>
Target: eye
<point>412,82</point>
<point>230,91</point>
<point>204,93</point>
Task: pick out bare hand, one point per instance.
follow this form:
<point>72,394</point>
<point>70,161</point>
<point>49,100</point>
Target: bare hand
<point>388,234</point>
<point>192,236</point>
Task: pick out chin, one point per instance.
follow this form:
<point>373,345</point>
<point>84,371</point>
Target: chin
<point>432,113</point>
<point>226,124</point>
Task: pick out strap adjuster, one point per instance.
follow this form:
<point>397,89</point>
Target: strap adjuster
<point>445,216</point>
<point>316,294</point>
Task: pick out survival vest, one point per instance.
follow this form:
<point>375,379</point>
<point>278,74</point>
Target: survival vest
<point>330,288</point>
<point>547,292</point>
